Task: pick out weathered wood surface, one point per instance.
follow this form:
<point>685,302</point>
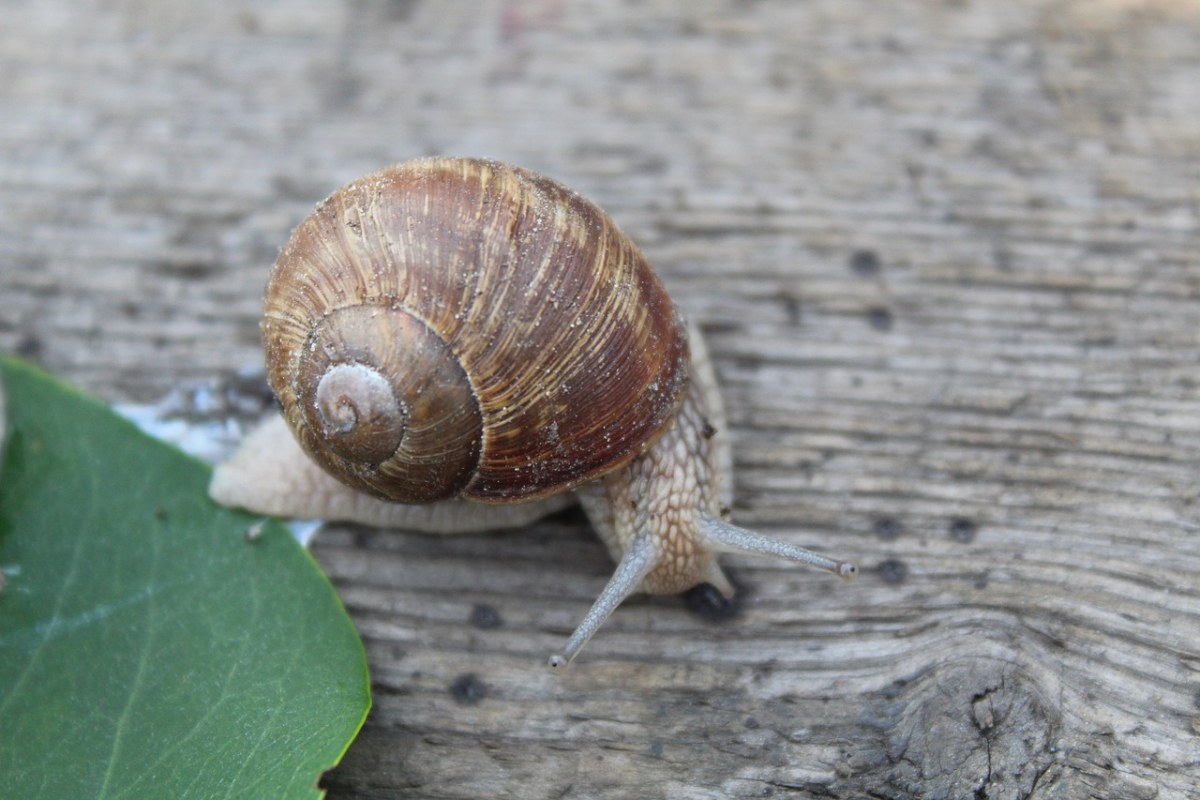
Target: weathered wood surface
<point>946,254</point>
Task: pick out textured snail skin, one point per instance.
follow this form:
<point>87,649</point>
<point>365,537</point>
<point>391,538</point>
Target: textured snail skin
<point>451,332</point>
<point>270,474</point>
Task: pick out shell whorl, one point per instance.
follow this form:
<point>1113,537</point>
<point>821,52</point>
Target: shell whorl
<point>463,327</point>
<point>384,404</point>
<point>358,413</point>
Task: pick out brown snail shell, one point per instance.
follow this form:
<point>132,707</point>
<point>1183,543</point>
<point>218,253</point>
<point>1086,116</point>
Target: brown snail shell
<point>459,327</point>
<point>447,332</point>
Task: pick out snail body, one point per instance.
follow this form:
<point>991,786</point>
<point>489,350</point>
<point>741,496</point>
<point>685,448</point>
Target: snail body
<point>454,337</point>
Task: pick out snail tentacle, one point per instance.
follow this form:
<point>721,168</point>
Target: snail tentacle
<point>723,537</point>
<point>638,561</point>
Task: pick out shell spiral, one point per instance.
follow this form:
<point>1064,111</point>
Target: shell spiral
<point>460,327</point>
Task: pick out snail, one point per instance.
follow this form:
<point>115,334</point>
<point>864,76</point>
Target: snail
<point>460,344</point>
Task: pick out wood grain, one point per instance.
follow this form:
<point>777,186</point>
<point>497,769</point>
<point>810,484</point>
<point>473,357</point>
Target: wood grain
<point>946,257</point>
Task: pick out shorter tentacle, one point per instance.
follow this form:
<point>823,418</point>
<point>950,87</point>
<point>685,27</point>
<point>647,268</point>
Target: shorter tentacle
<point>638,561</point>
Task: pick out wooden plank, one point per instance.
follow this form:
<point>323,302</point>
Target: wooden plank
<point>945,254</point>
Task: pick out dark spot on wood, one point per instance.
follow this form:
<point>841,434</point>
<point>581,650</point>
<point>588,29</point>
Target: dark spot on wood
<point>485,616</point>
<point>791,307</point>
<point>391,688</point>
<point>342,88</point>
<point>1003,259</point>
<point>718,327</point>
<point>981,581</point>
<point>29,347</point>
<point>468,690</point>
<point>893,689</point>
<point>189,269</point>
<point>401,10</point>
<point>710,605</point>
<point>888,529</point>
<point>706,429</point>
<point>893,571</point>
<point>879,318</point>
<point>751,723</point>
<point>963,530</point>
<point>864,263</point>
<point>1038,202</point>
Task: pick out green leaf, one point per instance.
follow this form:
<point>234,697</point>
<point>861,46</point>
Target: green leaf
<point>147,648</point>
